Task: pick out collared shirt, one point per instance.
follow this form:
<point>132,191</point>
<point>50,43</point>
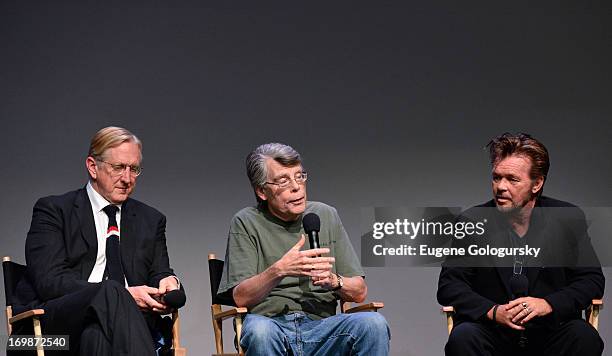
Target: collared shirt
<point>101,220</point>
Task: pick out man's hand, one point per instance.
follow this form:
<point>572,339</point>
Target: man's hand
<point>527,308</point>
<point>145,298</point>
<point>326,280</point>
<point>504,317</point>
<point>294,263</point>
<point>298,263</point>
<point>167,284</point>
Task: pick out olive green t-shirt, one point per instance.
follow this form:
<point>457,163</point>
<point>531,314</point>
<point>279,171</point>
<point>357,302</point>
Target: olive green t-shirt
<point>257,239</point>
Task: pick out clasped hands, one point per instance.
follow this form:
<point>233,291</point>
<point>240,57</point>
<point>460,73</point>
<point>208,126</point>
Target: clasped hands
<point>296,263</point>
<point>149,298</point>
<point>518,312</point>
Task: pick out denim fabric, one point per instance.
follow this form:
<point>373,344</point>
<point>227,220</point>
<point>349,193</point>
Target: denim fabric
<point>296,334</point>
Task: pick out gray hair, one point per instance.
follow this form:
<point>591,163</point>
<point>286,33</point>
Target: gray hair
<point>257,170</point>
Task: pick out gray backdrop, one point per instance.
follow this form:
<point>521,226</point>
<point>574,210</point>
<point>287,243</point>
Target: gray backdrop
<point>390,104</point>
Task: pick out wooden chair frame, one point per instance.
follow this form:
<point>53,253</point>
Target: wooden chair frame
<point>35,315</point>
<point>591,314</point>
<point>177,350</point>
<point>11,319</point>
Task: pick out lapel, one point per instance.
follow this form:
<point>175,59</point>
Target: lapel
<point>85,220</point>
<point>128,239</point>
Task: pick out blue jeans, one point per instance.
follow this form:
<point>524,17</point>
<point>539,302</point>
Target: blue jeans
<point>365,333</point>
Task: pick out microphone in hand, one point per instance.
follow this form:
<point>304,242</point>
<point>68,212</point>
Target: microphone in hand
<point>174,299</point>
<point>312,226</point>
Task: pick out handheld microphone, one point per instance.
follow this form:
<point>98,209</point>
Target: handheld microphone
<point>312,226</point>
<point>519,285</point>
<point>174,298</point>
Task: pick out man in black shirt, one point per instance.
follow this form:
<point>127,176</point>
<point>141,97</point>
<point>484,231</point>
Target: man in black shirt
<point>522,303</point>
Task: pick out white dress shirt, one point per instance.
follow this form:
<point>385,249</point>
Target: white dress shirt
<point>101,220</point>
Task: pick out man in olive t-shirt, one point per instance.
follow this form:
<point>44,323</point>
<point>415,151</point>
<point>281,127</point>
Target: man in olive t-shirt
<point>291,293</point>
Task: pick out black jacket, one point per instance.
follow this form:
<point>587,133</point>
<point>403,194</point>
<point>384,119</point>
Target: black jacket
<point>561,276</point>
<point>62,245</point>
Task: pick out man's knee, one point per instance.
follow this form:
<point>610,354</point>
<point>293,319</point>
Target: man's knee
<point>370,324</point>
<point>110,286</point>
<point>463,338</point>
<point>110,290</point>
<point>259,329</point>
<point>583,336</point>
<point>112,298</point>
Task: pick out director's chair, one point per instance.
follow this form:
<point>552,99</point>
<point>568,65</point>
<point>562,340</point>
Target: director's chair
<point>13,272</point>
<point>218,315</point>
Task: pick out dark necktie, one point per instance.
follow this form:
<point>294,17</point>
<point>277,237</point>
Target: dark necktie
<point>113,270</point>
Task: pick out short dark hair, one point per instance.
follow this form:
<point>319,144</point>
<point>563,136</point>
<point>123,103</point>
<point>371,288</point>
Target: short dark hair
<point>520,144</point>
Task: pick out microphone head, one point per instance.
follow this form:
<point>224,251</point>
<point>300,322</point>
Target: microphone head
<point>175,298</point>
<point>311,222</point>
<point>519,284</point>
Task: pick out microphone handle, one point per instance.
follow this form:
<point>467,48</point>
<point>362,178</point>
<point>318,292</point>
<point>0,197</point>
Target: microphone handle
<point>313,238</point>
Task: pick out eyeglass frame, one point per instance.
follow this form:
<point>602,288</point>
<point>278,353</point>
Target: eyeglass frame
<point>135,170</point>
<point>304,176</point>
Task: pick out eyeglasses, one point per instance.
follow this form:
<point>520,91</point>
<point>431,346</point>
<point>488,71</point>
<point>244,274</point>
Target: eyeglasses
<point>117,169</point>
<point>284,182</point>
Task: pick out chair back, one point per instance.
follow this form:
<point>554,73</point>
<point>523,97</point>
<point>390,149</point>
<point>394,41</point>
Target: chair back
<point>13,272</point>
<point>215,270</point>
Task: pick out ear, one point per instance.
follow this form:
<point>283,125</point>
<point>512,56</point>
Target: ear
<point>92,168</point>
<point>538,183</point>
<point>261,193</point>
